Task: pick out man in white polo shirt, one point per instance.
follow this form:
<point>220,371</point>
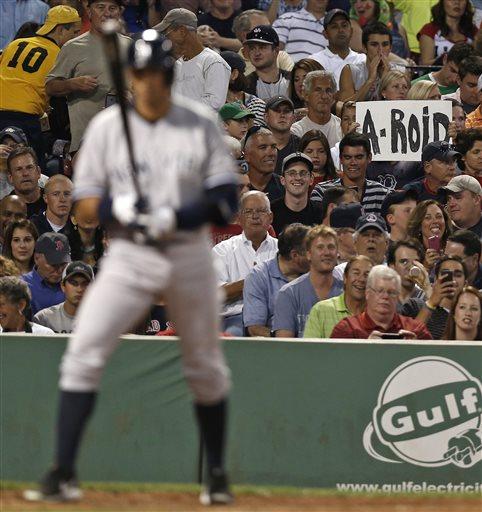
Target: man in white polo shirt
<point>301,32</point>
<point>338,31</point>
<point>236,257</point>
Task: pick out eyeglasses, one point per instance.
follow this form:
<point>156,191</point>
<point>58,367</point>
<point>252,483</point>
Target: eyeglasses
<point>251,213</point>
<point>381,291</point>
<point>297,174</point>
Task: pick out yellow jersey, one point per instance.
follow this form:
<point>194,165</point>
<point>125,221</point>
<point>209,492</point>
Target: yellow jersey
<point>24,65</point>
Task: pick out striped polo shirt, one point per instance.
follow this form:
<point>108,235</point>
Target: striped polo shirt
<point>301,33</point>
<point>373,195</point>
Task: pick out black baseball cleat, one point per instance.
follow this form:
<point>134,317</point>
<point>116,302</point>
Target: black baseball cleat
<point>217,490</point>
<point>56,485</point>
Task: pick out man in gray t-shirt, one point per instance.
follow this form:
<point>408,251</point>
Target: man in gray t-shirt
<point>81,72</point>
<point>295,299</point>
<point>60,318</point>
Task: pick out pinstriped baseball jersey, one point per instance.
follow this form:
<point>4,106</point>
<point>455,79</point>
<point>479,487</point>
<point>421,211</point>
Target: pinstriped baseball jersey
<point>175,155</point>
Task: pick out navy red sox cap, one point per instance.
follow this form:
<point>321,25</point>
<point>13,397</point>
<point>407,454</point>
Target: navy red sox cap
<point>263,34</point>
<point>439,150</point>
<point>371,220</point>
<point>151,50</point>
<point>55,247</point>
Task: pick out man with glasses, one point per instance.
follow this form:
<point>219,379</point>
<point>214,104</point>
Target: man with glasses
<point>237,256</point>
<point>295,206</point>
<point>81,72</point>
<point>380,318</point>
<point>58,198</point>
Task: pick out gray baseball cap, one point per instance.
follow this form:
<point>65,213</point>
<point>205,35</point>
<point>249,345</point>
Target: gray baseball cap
<point>463,182</point>
<point>178,17</point>
<point>297,157</point>
<point>55,247</point>
<point>78,268</point>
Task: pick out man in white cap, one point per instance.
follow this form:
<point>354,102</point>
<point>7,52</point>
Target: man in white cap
<point>200,73</point>
<point>463,203</point>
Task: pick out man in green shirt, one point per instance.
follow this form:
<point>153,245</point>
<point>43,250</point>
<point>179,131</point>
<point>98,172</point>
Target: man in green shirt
<point>446,77</point>
<point>324,315</point>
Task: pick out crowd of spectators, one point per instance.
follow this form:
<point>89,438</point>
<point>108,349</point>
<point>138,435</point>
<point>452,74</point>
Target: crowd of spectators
<point>328,242</point>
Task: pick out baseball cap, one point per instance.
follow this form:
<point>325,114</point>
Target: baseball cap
<point>276,101</point>
<point>17,134</point>
<point>78,268</point>
<point>331,14</point>
<point>396,197</point>
<point>463,182</point>
<point>263,34</point>
<point>234,111</point>
<point>178,17</point>
<point>54,246</point>
<point>439,150</point>
<point>151,50</point>
<point>234,60</point>
<point>58,15</point>
<point>370,220</point>
<point>345,215</point>
<point>297,157</point>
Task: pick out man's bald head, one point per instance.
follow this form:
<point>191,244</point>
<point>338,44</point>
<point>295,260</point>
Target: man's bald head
<point>55,179</point>
<point>11,208</point>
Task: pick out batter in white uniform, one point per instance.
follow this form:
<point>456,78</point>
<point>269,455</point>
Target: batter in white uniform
<point>188,180</point>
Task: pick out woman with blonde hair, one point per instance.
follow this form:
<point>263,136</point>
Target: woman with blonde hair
<point>424,90</point>
<point>394,85</point>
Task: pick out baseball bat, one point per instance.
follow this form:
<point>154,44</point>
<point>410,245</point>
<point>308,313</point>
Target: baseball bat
<point>111,47</point>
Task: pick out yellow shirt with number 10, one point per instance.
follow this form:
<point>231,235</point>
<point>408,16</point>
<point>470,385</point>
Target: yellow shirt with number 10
<point>24,66</point>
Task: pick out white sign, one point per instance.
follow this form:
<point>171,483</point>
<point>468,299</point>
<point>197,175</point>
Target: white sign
<point>399,130</point>
<point>429,413</point>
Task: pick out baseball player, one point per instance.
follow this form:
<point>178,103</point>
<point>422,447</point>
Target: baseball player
<point>188,180</point>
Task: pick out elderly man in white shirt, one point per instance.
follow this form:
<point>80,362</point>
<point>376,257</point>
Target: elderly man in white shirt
<point>236,257</point>
<point>200,73</point>
<point>319,90</point>
<point>338,31</point>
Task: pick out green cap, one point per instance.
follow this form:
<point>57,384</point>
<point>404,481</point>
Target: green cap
<point>234,111</point>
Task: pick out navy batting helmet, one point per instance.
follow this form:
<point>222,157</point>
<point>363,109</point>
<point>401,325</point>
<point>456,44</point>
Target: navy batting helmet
<point>152,50</point>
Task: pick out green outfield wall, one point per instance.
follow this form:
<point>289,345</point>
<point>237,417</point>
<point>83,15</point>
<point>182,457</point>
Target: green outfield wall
<point>394,416</point>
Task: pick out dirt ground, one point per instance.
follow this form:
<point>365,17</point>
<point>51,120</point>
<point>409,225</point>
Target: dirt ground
<point>102,501</point>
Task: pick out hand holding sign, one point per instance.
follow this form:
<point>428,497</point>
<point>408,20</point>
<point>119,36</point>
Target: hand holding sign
<point>400,130</point>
